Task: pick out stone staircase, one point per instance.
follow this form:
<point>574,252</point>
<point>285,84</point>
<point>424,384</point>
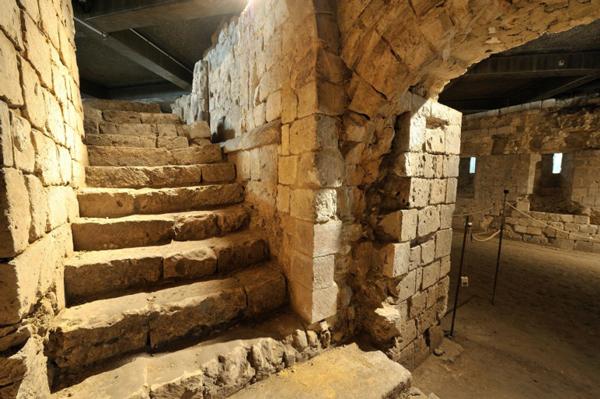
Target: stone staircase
<point>164,256</point>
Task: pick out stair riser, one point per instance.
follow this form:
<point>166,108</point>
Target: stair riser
<point>117,204</point>
<point>99,235</point>
<point>110,279</point>
<point>167,319</point>
<point>159,177</point>
<point>139,141</point>
<point>112,156</point>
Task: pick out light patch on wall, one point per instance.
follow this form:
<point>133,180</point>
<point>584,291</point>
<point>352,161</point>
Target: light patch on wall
<point>472,165</point>
<point>557,163</point>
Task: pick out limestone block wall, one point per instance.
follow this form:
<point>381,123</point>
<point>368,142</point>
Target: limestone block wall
<point>42,159</point>
<point>509,145</point>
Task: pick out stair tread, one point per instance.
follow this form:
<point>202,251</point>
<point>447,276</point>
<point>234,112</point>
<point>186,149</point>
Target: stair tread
<point>148,156</point>
<point>83,258</point>
<point>98,331</point>
<point>117,202</point>
<point>143,372</point>
<point>159,176</point>
<point>171,216</point>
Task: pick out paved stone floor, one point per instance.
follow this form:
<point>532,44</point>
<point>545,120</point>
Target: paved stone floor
<point>540,340</point>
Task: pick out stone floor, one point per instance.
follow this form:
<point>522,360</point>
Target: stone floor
<point>346,372</point>
<point>540,340</point>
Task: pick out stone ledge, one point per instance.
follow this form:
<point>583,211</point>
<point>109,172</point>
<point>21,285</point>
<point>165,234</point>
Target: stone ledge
<point>266,134</point>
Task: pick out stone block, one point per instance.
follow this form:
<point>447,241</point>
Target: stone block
<point>172,142</point>
<point>428,251</point>
<point>443,243</point>
<point>38,51</point>
<point>400,225</point>
<point>10,87</point>
<point>395,259</point>
<point>273,106</point>
<point>314,305</point>
<point>428,220</point>
<point>445,265</point>
<point>446,216</point>
<point>46,159</point>
<point>431,274</point>
<point>451,188</point>
<point>321,169</point>
<point>317,239</point>
<point>313,205</point>
<point>35,105</point>
<point>288,167</point>
<point>283,199</point>
<point>38,207</point>
<point>438,191</point>
<point>15,219</point>
<point>315,273</point>
<point>313,133</point>
<point>6,144</point>
<point>55,122</point>
<point>407,286</point>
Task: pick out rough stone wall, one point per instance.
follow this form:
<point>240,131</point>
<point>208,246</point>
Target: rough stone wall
<point>338,90</point>
<point>514,148</point>
<point>42,158</point>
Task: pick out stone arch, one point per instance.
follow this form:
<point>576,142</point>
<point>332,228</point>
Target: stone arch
<point>399,55</point>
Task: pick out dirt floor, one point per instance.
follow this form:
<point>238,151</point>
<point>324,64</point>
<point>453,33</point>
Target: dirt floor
<point>542,338</point>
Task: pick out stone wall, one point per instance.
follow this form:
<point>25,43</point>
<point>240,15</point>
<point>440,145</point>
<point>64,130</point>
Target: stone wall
<point>42,159</point>
<point>272,95</point>
<point>340,93</point>
<point>514,147</point>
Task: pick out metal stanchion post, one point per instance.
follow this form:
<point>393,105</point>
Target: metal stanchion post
<point>458,280</point>
<point>502,221</point>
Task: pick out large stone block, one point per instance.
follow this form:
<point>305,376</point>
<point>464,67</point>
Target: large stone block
<point>10,87</point>
<point>6,144</point>
<point>395,259</point>
<point>46,159</point>
<point>38,51</point>
<point>321,169</point>
<point>315,273</point>
<point>443,243</point>
<point>314,132</point>
<point>35,105</point>
<point>27,277</point>
<point>317,239</point>
<point>429,220</point>
<point>313,205</point>
<point>38,206</point>
<point>312,304</point>
<point>15,218</point>
<point>399,225</point>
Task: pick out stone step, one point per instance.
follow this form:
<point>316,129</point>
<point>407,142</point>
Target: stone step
<point>116,116</point>
<point>214,368</point>
<point>345,372</point>
<point>117,202</point>
<point>91,234</point>
<point>130,156</point>
<point>101,274</point>
<point>106,329</point>
<point>139,141</point>
<point>159,176</point>
<point>120,105</point>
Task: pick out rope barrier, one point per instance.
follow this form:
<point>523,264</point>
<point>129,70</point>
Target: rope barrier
<point>571,234</point>
<point>478,239</point>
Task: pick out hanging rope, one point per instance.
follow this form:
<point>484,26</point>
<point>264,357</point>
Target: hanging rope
<point>478,238</point>
<point>570,234</point>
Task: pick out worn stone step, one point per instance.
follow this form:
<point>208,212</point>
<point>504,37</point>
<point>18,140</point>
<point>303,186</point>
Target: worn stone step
<point>158,176</point>
<point>116,202</point>
<point>121,140</point>
<point>121,105</point>
<point>214,368</point>
<point>90,234</point>
<point>130,156</point>
<point>345,372</point>
<point>115,116</point>
<point>110,328</point>
<point>101,274</point>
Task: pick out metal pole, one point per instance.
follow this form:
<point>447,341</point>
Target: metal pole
<point>458,280</point>
<point>502,221</point>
